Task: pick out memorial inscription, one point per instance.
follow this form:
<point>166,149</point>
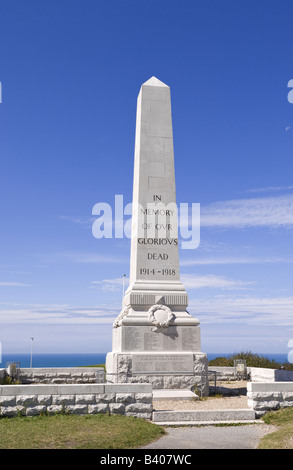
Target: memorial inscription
<point>173,338</point>
<point>162,363</point>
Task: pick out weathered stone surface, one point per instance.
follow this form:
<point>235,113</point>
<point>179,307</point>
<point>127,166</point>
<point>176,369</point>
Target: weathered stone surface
<point>264,396</point>
<point>288,396</point>
<point>140,415</point>
<point>138,408</point>
<point>99,408</point>
<point>76,409</point>
<point>54,409</point>
<point>7,401</point>
<point>62,375</point>
<point>204,415</point>
<point>85,399</point>
<point>44,399</point>
<point>117,408</point>
<point>105,397</point>
<point>126,388</point>
<point>12,410</point>
<point>35,410</point>
<point>63,399</point>
<point>143,397</point>
<point>266,405</point>
<point>124,397</point>
<point>26,400</point>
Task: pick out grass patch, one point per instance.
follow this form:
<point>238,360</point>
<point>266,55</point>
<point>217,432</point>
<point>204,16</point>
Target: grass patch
<point>283,437</point>
<point>77,432</point>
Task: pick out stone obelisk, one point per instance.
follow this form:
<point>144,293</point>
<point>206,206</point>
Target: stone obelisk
<point>154,338</point>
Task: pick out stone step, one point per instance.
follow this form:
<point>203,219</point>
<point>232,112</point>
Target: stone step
<point>173,394</point>
<point>192,417</point>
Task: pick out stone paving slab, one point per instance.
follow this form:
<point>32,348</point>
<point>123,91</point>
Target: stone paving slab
<point>174,395</point>
<point>203,415</point>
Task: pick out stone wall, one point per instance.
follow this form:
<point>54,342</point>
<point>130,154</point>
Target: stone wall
<point>59,375</point>
<point>263,397</point>
<point>222,373</point>
<point>259,374</point>
<point>29,400</point>
<point>122,366</point>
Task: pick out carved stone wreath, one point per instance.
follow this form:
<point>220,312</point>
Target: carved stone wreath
<point>121,315</point>
<point>163,318</point>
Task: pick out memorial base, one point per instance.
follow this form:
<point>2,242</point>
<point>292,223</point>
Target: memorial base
<point>164,370</point>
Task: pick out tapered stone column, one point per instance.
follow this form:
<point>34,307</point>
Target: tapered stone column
<point>154,333</point>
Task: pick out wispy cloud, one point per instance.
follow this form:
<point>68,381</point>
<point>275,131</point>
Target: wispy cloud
<point>193,281</point>
<point>86,222</point>
<point>57,314</point>
<point>268,189</point>
<point>82,258</point>
<point>256,212</point>
<point>110,284</point>
<point>13,284</point>
<point>234,260</point>
<point>266,311</point>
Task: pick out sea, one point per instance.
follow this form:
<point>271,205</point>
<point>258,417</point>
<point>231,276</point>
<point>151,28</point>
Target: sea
<point>90,359</point>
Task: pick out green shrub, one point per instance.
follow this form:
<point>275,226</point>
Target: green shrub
<point>252,360</point>
<point>7,380</point>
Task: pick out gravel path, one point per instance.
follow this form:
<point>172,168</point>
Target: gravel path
<point>210,403</point>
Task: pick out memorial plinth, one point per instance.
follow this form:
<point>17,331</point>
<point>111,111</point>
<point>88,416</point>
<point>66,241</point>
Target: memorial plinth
<point>155,339</point>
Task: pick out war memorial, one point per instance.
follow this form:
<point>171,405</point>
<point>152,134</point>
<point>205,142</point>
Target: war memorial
<point>155,339</point>
<point>156,344</point>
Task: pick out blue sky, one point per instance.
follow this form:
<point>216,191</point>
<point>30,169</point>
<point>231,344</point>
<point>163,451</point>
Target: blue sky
<point>71,71</point>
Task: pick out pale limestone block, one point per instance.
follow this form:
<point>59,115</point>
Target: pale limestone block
<point>45,400</point>
<point>35,410</point>
<point>140,415</point>
<point>138,408</point>
<point>26,400</point>
<point>105,397</point>
<point>268,396</point>
<point>124,398</point>
<point>85,399</point>
<point>288,396</point>
<point>12,411</point>
<point>63,399</point>
<point>286,404</point>
<point>102,408</point>
<point>54,409</point>
<point>117,408</point>
<point>144,397</point>
<point>7,401</point>
<point>266,405</point>
<point>76,409</point>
